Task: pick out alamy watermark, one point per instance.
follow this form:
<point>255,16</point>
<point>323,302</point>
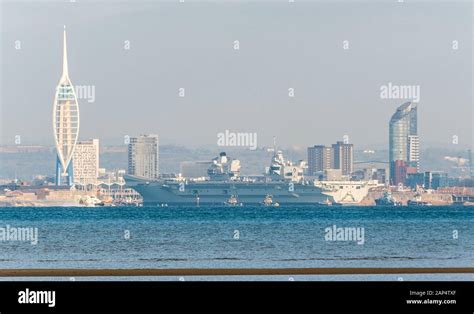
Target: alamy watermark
<point>393,91</point>
<point>28,296</point>
<point>335,233</point>
<point>85,92</point>
<point>246,139</point>
<point>24,234</point>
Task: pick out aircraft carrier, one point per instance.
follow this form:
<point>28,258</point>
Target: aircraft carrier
<point>283,183</point>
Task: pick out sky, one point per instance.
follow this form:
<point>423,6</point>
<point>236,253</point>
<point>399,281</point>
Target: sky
<point>282,45</point>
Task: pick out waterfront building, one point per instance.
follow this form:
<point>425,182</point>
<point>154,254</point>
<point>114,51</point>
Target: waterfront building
<point>343,157</point>
<point>65,122</point>
<point>371,170</point>
<point>415,179</point>
<point>403,142</point>
<point>435,179</point>
<point>427,180</point>
<point>439,179</point>
<point>338,156</point>
<point>471,164</point>
<point>86,162</point>
<point>143,157</point>
<point>320,158</point>
<point>333,175</point>
<point>414,152</point>
<point>398,176</point>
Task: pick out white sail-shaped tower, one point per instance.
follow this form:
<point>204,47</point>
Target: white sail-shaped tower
<point>65,122</point>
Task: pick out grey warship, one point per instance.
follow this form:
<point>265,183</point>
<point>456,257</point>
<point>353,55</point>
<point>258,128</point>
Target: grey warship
<point>283,183</point>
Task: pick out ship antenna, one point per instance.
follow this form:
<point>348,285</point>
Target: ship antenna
<point>274,144</point>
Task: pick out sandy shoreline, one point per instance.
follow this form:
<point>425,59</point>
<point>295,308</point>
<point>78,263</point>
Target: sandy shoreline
<point>226,271</point>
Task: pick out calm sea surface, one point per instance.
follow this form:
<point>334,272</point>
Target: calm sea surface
<point>247,237</point>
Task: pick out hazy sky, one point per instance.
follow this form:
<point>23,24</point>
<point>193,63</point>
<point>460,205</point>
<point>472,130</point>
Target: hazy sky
<point>282,45</point>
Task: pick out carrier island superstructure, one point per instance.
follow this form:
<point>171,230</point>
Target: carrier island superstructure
<point>283,183</point>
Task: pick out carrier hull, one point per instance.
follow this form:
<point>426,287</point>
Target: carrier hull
<point>157,192</point>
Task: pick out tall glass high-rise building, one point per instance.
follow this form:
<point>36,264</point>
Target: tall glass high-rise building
<point>65,122</point>
<point>404,144</point>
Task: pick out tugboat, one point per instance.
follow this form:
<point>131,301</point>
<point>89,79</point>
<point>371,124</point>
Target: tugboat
<point>233,201</point>
<point>387,200</point>
<point>326,202</point>
<point>418,202</point>
<point>268,201</point>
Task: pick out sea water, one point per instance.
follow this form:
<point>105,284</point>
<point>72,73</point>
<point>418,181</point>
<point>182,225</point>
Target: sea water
<point>240,237</point>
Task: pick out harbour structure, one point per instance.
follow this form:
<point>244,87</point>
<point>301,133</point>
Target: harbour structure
<point>404,146</point>
<point>65,122</point>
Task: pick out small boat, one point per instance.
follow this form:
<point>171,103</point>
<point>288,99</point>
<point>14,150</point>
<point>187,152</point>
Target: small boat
<point>233,201</point>
<point>418,203</point>
<point>387,200</point>
<point>90,201</point>
<point>268,201</point>
<point>326,202</point>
